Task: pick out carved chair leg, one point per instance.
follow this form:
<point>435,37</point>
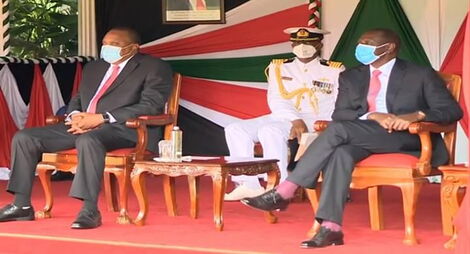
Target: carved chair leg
<point>170,197</point>
<point>193,182</point>
<point>44,175</point>
<point>449,205</point>
<point>123,178</point>
<point>375,208</point>
<point>110,191</point>
<point>410,192</point>
<point>140,190</point>
<point>314,197</point>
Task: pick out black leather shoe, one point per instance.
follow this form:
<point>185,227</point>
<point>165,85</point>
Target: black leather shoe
<point>62,176</point>
<point>324,237</point>
<point>12,212</point>
<point>269,201</point>
<point>87,220</point>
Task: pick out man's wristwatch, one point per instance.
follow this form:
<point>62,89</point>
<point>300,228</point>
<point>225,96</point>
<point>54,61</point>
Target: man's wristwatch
<point>105,118</point>
<point>421,115</point>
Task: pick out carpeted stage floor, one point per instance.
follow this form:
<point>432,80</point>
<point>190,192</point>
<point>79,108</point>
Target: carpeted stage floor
<point>245,229</point>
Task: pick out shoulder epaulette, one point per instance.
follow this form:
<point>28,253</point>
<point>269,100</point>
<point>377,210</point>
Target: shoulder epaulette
<point>331,64</point>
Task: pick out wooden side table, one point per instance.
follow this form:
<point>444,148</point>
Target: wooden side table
<point>217,168</point>
<point>454,178</point>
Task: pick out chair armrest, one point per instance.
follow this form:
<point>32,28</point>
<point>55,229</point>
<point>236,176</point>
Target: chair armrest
<point>416,128</point>
<point>50,120</point>
<point>424,130</point>
<point>320,125</point>
<point>140,124</point>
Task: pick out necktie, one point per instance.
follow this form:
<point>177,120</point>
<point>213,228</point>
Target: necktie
<point>200,5</point>
<point>106,85</point>
<point>374,88</point>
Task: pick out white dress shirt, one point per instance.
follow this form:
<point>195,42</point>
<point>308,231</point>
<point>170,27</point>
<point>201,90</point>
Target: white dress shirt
<point>384,77</point>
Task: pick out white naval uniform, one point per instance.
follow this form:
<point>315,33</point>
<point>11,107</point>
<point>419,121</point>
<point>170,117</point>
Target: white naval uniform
<point>273,130</point>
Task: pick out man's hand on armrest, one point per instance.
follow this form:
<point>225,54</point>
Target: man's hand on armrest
<point>384,119</point>
<point>402,122</point>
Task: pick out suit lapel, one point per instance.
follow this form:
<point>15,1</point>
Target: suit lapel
<point>130,66</point>
<point>394,83</point>
<point>363,85</point>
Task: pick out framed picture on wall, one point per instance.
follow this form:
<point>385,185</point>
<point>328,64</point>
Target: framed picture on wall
<point>193,11</point>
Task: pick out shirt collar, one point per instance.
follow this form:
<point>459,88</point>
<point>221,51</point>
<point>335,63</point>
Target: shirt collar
<point>122,65</point>
<point>386,68</point>
<point>313,62</point>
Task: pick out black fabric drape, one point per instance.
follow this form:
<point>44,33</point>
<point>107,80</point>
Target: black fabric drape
<point>143,16</point>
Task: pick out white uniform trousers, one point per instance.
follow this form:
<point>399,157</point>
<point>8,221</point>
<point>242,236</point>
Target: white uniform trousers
<point>271,132</point>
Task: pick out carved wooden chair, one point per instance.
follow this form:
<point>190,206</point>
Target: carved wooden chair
<point>453,187</point>
<point>118,163</point>
<point>401,170</point>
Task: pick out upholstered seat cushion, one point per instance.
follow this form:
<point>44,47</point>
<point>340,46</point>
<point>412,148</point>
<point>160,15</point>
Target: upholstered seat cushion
<point>117,152</point>
<point>389,159</point>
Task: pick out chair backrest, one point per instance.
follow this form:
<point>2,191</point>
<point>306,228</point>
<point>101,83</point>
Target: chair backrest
<point>172,105</point>
<point>454,84</point>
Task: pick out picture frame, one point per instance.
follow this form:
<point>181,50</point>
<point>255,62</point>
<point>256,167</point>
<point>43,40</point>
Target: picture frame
<point>193,12</point>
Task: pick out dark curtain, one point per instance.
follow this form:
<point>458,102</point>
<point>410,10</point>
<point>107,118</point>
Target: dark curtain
<point>143,16</point>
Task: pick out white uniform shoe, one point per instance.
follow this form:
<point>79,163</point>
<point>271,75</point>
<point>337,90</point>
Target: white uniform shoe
<point>241,192</point>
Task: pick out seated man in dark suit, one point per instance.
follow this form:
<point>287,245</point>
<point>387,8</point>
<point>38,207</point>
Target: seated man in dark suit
<point>376,103</point>
<point>122,85</point>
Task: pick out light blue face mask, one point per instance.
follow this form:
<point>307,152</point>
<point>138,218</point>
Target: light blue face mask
<point>365,53</point>
<point>110,54</point>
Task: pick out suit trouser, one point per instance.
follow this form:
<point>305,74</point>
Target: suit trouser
<point>29,144</point>
<point>336,151</point>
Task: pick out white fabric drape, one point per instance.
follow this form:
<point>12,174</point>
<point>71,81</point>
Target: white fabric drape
<point>87,28</point>
<point>53,88</point>
<point>18,109</point>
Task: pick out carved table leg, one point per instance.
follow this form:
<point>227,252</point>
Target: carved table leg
<point>273,181</point>
<point>314,198</point>
<point>218,186</point>
<point>193,182</point>
<point>449,204</point>
<point>138,184</point>
<point>170,197</point>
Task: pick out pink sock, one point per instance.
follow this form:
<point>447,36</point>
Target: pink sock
<point>286,189</point>
<point>333,226</point>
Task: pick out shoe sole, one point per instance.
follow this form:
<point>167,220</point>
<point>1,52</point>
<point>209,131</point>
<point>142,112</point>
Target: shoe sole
<point>336,243</point>
<point>29,218</point>
<point>78,227</point>
<point>259,209</point>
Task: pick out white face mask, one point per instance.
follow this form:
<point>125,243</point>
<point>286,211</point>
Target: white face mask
<point>304,51</point>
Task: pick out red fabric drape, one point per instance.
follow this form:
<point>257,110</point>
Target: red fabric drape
<point>237,101</point>
<point>77,79</point>
<point>462,221</point>
<point>7,130</point>
<point>39,102</point>
<point>453,63</point>
<point>262,31</point>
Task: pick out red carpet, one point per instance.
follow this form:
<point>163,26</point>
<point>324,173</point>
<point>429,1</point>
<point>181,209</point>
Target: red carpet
<point>245,229</point>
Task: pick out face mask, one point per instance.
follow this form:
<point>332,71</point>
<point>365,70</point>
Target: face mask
<point>365,53</point>
<point>110,54</point>
<point>304,51</point>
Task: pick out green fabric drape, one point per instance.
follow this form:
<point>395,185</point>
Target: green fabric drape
<point>371,14</point>
<point>235,69</point>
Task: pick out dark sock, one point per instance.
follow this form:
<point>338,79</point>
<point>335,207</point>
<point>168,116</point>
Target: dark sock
<point>90,205</point>
<point>22,200</point>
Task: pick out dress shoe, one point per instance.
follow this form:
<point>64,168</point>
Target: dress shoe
<point>269,201</point>
<point>324,237</point>
<point>61,176</point>
<point>12,212</point>
<point>242,192</point>
<point>87,220</point>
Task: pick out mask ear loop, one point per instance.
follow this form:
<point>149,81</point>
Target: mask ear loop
<point>380,47</point>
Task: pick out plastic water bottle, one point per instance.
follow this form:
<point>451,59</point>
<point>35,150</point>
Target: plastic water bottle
<point>177,143</point>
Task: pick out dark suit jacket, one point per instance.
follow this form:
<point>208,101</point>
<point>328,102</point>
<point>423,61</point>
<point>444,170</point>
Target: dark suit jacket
<point>142,88</point>
<point>411,88</point>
